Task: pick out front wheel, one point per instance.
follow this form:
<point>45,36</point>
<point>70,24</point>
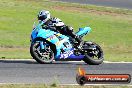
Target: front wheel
<point>93,53</point>
<point>41,56</point>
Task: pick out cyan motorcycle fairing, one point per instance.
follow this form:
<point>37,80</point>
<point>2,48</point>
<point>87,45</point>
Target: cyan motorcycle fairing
<point>69,53</point>
<point>83,31</point>
<point>60,41</point>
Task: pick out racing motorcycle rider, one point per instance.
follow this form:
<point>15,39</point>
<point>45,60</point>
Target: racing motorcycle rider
<point>56,24</point>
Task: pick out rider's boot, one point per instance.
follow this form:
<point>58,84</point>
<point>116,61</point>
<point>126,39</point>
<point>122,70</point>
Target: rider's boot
<point>79,42</point>
<point>76,37</point>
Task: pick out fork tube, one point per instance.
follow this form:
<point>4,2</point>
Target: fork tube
<point>41,45</point>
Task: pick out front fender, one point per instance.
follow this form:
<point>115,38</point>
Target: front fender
<point>44,40</point>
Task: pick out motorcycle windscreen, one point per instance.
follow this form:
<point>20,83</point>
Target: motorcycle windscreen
<point>83,31</point>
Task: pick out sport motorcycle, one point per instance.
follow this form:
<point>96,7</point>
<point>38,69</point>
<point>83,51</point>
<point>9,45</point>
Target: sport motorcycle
<point>48,46</point>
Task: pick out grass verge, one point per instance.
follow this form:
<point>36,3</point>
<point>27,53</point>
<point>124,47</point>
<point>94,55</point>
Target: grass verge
<point>56,86</point>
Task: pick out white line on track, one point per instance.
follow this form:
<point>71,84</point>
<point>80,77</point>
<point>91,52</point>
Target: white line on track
<point>99,84</point>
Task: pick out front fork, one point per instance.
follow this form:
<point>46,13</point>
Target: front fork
<point>42,46</point>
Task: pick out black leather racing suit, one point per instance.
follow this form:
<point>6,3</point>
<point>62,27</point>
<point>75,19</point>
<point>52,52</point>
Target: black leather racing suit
<point>56,24</point>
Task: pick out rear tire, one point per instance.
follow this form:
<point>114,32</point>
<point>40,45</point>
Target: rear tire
<point>42,57</point>
<point>90,56</point>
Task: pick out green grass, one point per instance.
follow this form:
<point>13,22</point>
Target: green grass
<point>14,53</point>
<point>111,27</point>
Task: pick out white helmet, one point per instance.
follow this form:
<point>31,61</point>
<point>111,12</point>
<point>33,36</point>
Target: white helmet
<point>44,15</point>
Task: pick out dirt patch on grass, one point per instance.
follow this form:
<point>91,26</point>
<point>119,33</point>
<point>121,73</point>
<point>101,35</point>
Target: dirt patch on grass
<point>100,10</point>
<point>84,10</point>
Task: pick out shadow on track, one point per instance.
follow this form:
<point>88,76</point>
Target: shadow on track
<point>19,61</point>
<point>34,62</point>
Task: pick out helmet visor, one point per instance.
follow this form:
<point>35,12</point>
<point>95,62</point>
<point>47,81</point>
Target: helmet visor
<point>42,17</point>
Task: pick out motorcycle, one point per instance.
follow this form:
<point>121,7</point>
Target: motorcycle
<point>48,46</point>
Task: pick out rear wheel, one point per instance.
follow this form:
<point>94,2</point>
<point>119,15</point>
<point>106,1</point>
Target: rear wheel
<point>42,56</point>
<point>93,53</point>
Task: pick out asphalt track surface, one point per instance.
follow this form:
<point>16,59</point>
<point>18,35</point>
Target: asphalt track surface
<point>29,71</point>
<point>127,4</point>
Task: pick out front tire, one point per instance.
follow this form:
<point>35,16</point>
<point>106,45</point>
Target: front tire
<point>41,56</point>
<point>94,55</point>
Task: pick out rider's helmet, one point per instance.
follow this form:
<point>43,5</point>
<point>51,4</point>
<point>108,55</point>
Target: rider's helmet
<point>44,15</point>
